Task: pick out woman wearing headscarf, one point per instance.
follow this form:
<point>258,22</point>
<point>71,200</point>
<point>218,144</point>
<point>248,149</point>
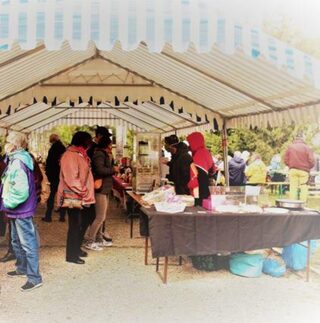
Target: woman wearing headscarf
<point>200,168</point>
<point>76,178</point>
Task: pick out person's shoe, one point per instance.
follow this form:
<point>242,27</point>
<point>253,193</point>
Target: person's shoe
<point>93,246</point>
<point>45,219</point>
<point>104,243</point>
<point>62,220</point>
<point>14,273</point>
<point>83,254</point>
<point>107,239</point>
<point>28,286</point>
<point>77,261</point>
<point>8,257</point>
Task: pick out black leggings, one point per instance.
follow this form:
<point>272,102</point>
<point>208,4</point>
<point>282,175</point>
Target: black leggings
<point>73,237</point>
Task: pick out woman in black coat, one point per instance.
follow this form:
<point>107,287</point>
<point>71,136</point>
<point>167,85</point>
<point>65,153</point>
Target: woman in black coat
<point>179,166</point>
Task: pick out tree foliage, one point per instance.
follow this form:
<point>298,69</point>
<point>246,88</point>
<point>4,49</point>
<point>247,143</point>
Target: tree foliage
<point>267,142</point>
<point>66,132</point>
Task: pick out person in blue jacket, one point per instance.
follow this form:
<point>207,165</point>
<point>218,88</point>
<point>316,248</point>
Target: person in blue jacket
<point>236,170</point>
<point>18,201</point>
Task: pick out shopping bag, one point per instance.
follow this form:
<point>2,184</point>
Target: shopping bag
<point>246,265</point>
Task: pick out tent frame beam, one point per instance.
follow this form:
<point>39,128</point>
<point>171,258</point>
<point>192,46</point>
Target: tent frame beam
<point>249,95</point>
<point>139,119</point>
<point>163,87</point>
<point>94,84</point>
<point>218,80</point>
<point>150,115</point>
<point>173,113</point>
<point>39,121</point>
<point>47,78</point>
<point>188,127</point>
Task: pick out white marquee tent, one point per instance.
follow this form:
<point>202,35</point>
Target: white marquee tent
<point>149,65</point>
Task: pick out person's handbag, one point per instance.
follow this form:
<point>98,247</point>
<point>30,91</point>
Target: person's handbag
<point>98,184</point>
<point>71,200</point>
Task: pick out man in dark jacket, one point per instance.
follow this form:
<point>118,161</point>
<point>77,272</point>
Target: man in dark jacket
<point>300,159</point>
<point>179,166</point>
<point>236,170</point>
<point>53,172</point>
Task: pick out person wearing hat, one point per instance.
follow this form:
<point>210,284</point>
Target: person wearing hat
<point>300,159</point>
<point>179,165</point>
<point>100,133</point>
<point>89,213</point>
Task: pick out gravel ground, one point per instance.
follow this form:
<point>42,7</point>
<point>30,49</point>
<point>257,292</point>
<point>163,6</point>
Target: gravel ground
<point>115,286</point>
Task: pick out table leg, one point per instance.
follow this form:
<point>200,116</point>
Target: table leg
<point>308,261</point>
<point>131,218</point>
<point>131,226</point>
<point>157,264</point>
<point>180,261</point>
<point>146,251</point>
<point>165,270</point>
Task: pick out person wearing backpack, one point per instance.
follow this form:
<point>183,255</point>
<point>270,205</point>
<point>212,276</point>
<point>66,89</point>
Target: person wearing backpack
<point>38,177</point>
<point>18,200</point>
<point>3,222</point>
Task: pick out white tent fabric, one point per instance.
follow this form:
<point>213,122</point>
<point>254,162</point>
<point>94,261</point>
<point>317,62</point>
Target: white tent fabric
<point>208,86</point>
<point>180,23</point>
<point>88,117</point>
<point>180,55</point>
<point>147,116</point>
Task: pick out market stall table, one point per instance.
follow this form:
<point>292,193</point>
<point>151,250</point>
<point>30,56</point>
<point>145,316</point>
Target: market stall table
<point>136,200</point>
<point>119,187</point>
<point>197,231</point>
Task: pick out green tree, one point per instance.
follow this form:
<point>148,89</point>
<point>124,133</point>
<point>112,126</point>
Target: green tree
<point>129,146</point>
<point>66,132</point>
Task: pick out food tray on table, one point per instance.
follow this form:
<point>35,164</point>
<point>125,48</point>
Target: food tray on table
<point>166,207</point>
<point>275,210</point>
<point>247,208</point>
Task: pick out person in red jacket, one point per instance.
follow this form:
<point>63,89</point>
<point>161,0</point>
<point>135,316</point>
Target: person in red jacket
<point>300,160</point>
<point>202,165</point>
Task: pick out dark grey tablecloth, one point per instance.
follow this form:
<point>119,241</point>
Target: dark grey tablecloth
<point>203,234</point>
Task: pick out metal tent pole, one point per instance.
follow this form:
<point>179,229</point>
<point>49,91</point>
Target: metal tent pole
<point>225,151</point>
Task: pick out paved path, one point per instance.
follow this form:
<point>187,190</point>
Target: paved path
<point>115,286</point>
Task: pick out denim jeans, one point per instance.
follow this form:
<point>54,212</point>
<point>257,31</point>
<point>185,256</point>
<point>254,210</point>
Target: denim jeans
<point>26,248</point>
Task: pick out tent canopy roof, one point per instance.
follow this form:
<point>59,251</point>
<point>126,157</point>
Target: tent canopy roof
<point>147,116</point>
<point>154,59</point>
